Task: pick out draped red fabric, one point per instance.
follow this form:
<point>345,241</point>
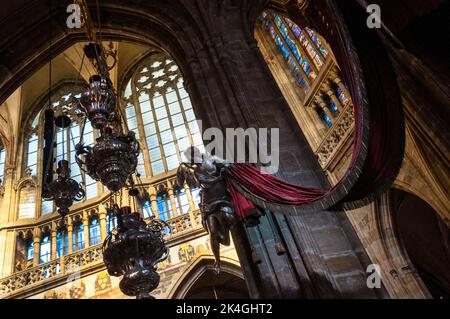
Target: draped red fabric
<point>267,187</point>
<point>241,205</point>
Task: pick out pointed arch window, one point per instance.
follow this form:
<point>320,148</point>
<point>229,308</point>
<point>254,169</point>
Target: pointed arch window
<point>65,141</point>
<point>302,49</point>
<point>159,110</point>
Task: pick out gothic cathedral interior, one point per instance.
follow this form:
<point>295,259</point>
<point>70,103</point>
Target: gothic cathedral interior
<point>224,149</point>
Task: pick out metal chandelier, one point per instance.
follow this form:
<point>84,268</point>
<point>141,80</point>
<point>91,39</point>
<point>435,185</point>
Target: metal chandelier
<point>135,246</point>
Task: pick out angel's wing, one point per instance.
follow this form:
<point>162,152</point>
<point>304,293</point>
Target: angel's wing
<point>186,173</point>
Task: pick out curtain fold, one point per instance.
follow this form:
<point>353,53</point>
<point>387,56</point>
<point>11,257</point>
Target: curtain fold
<point>248,186</point>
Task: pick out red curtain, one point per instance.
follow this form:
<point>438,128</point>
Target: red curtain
<point>265,190</point>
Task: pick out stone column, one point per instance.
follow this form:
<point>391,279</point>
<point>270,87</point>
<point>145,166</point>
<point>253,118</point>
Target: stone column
<point>86,229</point>
<point>8,208</point>
<point>54,234</point>
<point>191,205</point>
<point>70,234</point>
<point>172,198</point>
<point>37,245</point>
<point>102,220</point>
<point>153,201</point>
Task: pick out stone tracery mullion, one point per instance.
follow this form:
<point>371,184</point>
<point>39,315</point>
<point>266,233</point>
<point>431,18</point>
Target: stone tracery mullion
<point>134,101</point>
<point>183,113</point>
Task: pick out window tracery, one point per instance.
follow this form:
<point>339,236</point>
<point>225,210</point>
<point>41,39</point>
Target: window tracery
<point>65,141</point>
<point>159,110</point>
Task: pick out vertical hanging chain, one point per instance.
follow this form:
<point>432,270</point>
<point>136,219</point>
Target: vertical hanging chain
<point>49,160</point>
<point>102,65</point>
<point>50,55</point>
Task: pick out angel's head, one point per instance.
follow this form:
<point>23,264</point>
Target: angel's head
<point>193,155</point>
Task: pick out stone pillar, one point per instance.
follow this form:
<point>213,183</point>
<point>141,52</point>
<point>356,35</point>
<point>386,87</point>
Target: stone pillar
<point>153,201</point>
<point>323,258</point>
<point>191,205</point>
<point>70,234</point>
<point>8,199</point>
<point>172,198</point>
<point>54,234</point>
<point>37,246</point>
<point>86,229</point>
<point>102,220</point>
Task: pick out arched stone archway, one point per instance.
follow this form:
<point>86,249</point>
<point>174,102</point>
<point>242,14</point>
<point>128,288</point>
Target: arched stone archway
<point>201,282</point>
<point>425,238</point>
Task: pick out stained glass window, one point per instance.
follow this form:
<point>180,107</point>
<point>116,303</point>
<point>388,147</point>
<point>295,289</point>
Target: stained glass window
<point>302,49</point>
<point>334,108</point>
<point>160,111</point>
<point>343,97</point>
<point>65,141</point>
<point>325,118</point>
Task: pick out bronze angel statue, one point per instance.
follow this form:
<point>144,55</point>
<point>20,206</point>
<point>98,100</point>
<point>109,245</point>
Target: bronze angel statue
<point>207,172</point>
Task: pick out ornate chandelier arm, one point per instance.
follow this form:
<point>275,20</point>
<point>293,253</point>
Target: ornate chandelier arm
<point>82,150</point>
